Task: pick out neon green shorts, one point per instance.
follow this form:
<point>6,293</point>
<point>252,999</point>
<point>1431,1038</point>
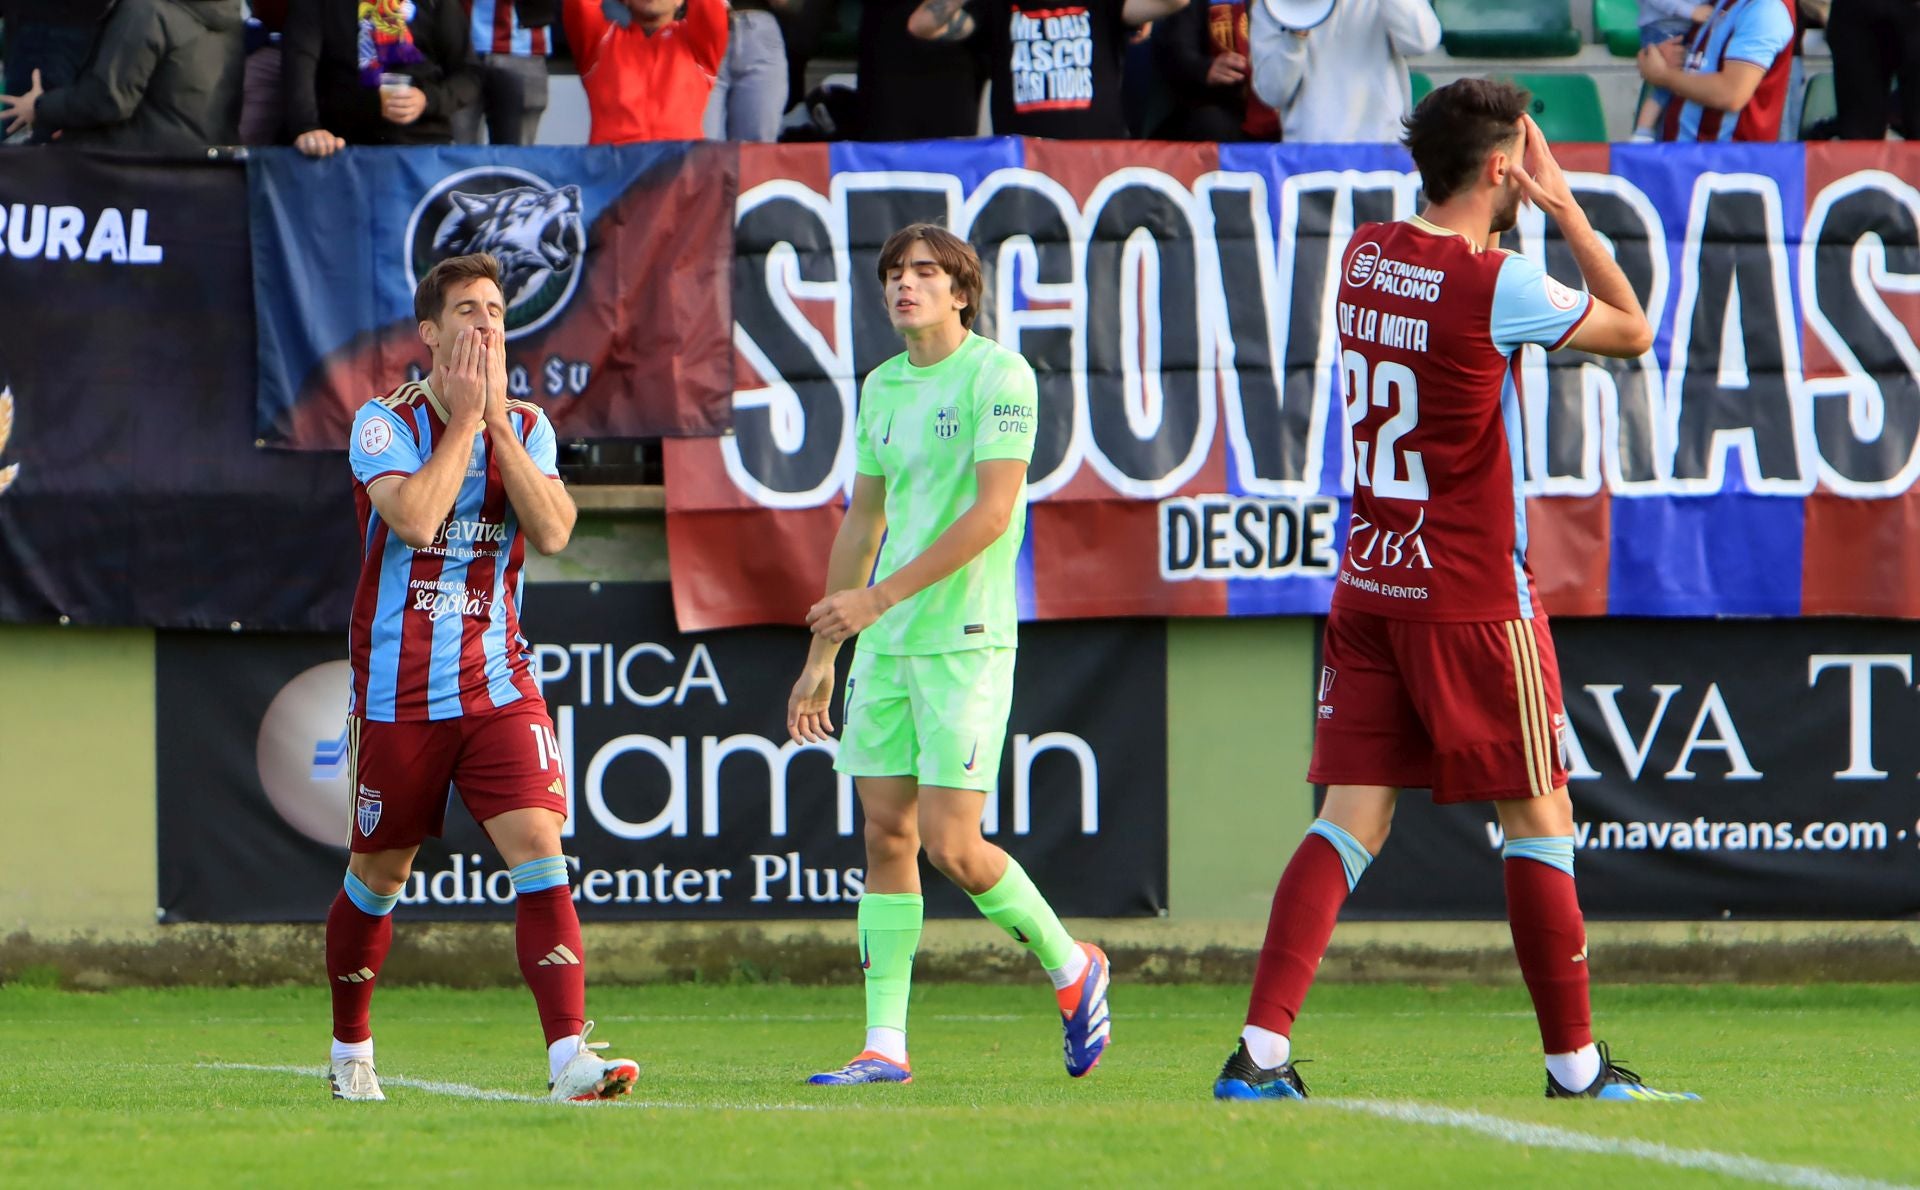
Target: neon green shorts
<point>939,718</point>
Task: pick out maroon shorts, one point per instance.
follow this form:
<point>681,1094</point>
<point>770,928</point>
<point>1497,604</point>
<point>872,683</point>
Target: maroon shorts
<point>1470,710</point>
<point>507,759</point>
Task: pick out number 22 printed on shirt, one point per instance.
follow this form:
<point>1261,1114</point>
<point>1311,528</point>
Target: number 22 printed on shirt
<point>1375,464</point>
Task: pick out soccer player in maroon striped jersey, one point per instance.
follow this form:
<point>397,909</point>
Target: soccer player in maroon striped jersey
<point>450,481</point>
<point>1438,669</point>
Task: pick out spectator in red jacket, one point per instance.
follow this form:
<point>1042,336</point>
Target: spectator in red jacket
<point>648,66</point>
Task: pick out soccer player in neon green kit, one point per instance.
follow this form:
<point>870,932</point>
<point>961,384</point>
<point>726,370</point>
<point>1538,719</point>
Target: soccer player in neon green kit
<point>941,450</point>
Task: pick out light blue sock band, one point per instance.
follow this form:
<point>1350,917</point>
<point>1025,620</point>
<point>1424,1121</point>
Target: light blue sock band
<point>539,875</point>
<point>1353,857</point>
<point>1555,851</point>
<point>366,900</point>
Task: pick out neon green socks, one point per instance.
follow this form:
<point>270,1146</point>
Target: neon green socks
<point>889,934</point>
<point>1017,907</point>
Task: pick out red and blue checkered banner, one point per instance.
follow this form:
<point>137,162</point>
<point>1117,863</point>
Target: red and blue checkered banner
<point>1192,456</point>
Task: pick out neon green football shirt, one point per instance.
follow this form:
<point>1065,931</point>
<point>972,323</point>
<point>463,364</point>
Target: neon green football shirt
<point>923,430</point>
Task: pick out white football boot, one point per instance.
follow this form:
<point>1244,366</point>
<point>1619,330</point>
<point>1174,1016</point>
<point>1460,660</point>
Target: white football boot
<point>587,1076</point>
<point>353,1078</point>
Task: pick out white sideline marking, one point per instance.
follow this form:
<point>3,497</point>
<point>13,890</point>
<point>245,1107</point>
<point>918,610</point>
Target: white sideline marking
<point>1547,1136</point>
<point>463,1091</point>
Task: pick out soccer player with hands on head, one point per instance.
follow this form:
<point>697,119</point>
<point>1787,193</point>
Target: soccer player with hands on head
<point>945,433</point>
<point>1438,669</point>
<point>451,481</point>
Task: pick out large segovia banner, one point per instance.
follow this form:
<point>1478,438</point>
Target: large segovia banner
<point>1192,455</point>
<point>688,801</point>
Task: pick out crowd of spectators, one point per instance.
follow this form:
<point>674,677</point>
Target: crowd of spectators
<point>160,75</point>
<point>181,75</point>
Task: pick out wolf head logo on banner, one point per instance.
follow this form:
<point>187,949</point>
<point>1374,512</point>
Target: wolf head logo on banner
<point>531,226</point>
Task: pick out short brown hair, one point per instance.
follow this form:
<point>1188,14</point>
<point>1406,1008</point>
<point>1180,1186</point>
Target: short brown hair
<point>430,296</point>
<point>949,251</point>
<point>1456,126</point>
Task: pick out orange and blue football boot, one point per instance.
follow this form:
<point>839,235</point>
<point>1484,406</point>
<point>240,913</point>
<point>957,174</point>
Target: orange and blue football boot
<point>866,1067</point>
<point>1083,1014</point>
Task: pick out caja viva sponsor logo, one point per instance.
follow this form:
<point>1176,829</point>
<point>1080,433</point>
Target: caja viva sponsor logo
<point>470,532</point>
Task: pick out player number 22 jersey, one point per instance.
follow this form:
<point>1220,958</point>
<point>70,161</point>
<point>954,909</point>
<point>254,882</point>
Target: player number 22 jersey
<point>1431,333</point>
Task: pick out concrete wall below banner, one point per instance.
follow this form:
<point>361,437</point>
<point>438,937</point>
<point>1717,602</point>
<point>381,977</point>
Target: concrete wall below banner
<point>76,779</point>
<point>1239,731</point>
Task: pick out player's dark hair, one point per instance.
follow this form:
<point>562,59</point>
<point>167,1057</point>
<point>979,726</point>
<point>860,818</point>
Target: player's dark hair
<point>1456,126</point>
<point>949,251</point>
<point>430,296</point>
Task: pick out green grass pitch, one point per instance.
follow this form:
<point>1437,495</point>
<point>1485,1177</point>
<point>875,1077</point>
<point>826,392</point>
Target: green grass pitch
<point>1414,1086</point>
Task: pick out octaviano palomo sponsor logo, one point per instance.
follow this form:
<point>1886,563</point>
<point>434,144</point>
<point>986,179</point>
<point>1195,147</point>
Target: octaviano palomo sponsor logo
<point>7,474</point>
<point>532,227</point>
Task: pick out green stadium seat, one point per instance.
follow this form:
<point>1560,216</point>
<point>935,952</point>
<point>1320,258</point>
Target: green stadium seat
<point>1507,28</point>
<point>1567,107</point>
<point>1618,24</point>
<point>1422,85</point>
<point>1819,104</point>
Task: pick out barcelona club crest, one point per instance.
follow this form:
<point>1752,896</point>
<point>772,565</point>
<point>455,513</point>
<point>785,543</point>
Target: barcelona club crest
<point>366,810</point>
<point>946,422</point>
